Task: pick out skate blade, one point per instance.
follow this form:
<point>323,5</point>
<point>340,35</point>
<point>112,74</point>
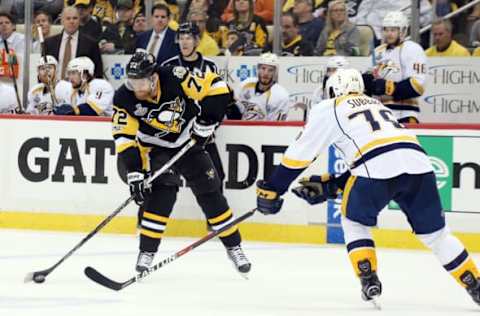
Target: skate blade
<point>244,275</point>
<point>376,304</point>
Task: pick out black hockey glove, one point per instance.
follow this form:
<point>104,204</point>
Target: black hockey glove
<point>202,131</point>
<point>138,186</point>
<point>268,200</point>
<point>317,189</point>
<point>64,109</point>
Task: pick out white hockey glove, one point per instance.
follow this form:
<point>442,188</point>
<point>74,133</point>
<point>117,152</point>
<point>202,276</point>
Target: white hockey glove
<point>202,131</point>
<point>138,186</point>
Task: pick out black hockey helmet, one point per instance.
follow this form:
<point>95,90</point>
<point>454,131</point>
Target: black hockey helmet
<point>188,28</point>
<point>141,65</point>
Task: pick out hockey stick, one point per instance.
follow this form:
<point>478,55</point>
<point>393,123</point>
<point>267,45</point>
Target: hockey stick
<point>50,86</point>
<point>39,276</point>
<point>101,279</point>
<point>10,65</point>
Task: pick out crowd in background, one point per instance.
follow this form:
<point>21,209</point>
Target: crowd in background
<point>244,27</point>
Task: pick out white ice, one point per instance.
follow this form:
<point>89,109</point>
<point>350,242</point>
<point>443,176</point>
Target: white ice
<point>286,279</point>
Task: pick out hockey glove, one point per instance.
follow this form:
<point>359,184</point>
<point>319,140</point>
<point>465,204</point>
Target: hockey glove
<point>202,131</point>
<point>317,189</point>
<point>64,109</point>
<point>138,186</point>
<point>268,200</point>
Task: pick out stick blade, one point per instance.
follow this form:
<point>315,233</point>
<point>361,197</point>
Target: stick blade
<point>37,277</point>
<point>99,278</point>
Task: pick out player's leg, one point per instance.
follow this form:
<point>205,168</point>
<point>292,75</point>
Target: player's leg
<point>420,201</point>
<point>212,150</point>
<point>156,210</point>
<point>363,199</point>
<point>198,170</point>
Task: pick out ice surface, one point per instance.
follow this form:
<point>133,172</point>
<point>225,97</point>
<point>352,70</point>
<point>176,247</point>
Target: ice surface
<point>286,279</point>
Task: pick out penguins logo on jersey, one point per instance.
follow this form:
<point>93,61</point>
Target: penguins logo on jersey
<point>168,117</point>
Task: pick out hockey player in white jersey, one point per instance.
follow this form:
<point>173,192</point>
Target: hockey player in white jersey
<point>40,99</point>
<point>386,162</point>
<point>262,98</point>
<point>333,63</point>
<point>8,101</point>
<point>398,77</point>
<point>88,95</point>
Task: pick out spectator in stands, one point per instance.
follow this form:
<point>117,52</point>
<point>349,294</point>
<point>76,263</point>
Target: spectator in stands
<point>444,45</point>
<point>211,9</point>
<point>235,43</point>
<point>89,25</point>
<point>52,7</point>
<point>73,43</point>
<point>262,8</point>
<point>475,34</point>
<point>104,10</point>
<point>340,36</point>
<point>160,41</point>
<point>251,26</point>
<point>119,38</point>
<point>293,44</point>
<point>140,23</point>
<point>15,40</point>
<point>207,45</point>
<point>476,52</point>
<point>43,20</point>
<point>310,26</point>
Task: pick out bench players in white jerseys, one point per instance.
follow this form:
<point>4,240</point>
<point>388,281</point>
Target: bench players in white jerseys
<point>386,163</point>
<point>333,63</point>
<point>8,101</point>
<point>87,95</point>
<point>261,98</point>
<point>399,75</point>
<point>40,98</point>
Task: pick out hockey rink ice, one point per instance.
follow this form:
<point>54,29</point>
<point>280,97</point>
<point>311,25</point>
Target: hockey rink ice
<point>286,279</point>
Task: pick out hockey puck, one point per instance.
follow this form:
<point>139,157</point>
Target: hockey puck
<point>40,278</point>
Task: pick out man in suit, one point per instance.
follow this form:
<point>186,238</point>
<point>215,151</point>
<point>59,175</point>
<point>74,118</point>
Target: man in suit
<point>72,43</point>
<point>160,41</point>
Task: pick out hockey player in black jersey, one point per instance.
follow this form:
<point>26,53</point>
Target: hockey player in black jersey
<point>156,112</point>
<point>188,37</point>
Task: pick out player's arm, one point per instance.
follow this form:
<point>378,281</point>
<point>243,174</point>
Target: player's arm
<point>316,138</point>
<point>213,96</point>
<point>124,131</point>
<point>414,64</point>
<point>99,100</point>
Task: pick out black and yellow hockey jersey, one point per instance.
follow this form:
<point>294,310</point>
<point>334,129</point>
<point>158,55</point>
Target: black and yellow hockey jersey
<point>167,120</point>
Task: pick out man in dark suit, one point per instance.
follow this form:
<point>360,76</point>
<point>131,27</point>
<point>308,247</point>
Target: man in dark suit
<point>160,41</point>
<point>71,43</point>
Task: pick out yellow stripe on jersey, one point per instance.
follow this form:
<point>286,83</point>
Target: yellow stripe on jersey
<point>467,265</point>
<point>197,87</point>
<point>95,107</point>
<point>150,233</point>
<point>221,217</point>
<point>155,217</point>
<point>361,254</point>
<point>250,85</point>
<point>124,146</point>
<point>385,141</point>
<point>123,123</point>
<point>417,86</point>
<point>295,164</point>
<point>342,98</point>
<point>346,194</point>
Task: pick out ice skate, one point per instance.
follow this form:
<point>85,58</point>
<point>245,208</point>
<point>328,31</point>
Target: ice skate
<point>239,260</point>
<point>144,261</point>
<point>371,285</point>
<point>473,286</point>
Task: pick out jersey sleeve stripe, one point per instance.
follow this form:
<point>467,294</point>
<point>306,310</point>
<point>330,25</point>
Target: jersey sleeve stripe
<point>417,86</point>
<point>95,107</point>
<point>295,164</point>
<point>124,145</point>
<point>384,141</point>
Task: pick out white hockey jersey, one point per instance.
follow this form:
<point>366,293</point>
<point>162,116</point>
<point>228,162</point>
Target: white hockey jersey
<point>372,142</point>
<point>408,60</point>
<point>272,105</point>
<point>40,101</point>
<point>8,100</point>
<point>98,95</point>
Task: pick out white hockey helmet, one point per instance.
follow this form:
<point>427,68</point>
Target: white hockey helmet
<point>81,64</point>
<point>337,62</point>
<point>268,59</point>
<point>396,19</point>
<point>344,82</point>
<point>47,60</point>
